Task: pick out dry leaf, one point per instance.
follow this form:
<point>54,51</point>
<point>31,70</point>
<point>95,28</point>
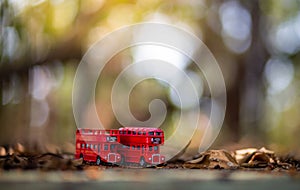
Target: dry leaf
<point>19,148</point>
<point>213,159</point>
<point>252,157</point>
<point>2,151</point>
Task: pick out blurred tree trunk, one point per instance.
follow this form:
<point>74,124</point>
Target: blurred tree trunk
<point>245,91</point>
<point>251,98</point>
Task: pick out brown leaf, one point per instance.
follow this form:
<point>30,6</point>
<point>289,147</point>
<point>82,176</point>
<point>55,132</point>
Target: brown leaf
<point>2,151</point>
<point>14,161</point>
<point>219,159</point>
<point>77,162</point>
<point>49,161</point>
<point>252,157</point>
<point>19,148</point>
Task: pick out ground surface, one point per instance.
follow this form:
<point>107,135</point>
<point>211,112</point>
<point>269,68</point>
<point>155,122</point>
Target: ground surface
<point>138,178</point>
<point>213,169</point>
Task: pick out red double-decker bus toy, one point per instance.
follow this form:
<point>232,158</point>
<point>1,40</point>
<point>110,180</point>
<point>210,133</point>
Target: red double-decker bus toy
<point>139,135</point>
<point>125,145</point>
<point>94,145</point>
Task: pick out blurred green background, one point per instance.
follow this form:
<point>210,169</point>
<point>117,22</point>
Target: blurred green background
<point>256,43</point>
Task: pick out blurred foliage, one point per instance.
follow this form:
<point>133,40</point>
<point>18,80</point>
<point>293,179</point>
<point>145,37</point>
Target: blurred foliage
<point>256,43</point>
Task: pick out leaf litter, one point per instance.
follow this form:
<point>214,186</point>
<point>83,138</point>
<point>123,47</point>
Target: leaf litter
<point>248,158</point>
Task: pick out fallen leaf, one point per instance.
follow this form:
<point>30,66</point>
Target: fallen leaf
<point>2,151</point>
<point>213,159</point>
<point>252,157</point>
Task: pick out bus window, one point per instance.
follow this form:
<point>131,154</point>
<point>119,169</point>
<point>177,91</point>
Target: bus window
<point>150,148</point>
<point>105,147</point>
<point>112,146</point>
<point>129,132</point>
<point>155,148</point>
<point>138,147</point>
<point>82,145</point>
<point>133,147</point>
<point>121,132</point>
<point>158,133</point>
<point>144,133</point>
<point>140,132</point>
<point>134,132</point>
<point>95,146</point>
<point>87,146</point>
<point>151,133</point>
<point>124,146</point>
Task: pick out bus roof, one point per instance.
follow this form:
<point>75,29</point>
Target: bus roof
<point>96,131</point>
<point>146,129</point>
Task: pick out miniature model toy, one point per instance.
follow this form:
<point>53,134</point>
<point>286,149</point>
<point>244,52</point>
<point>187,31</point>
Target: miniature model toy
<point>125,145</point>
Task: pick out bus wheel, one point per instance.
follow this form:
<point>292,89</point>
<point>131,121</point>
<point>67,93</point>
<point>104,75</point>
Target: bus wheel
<point>122,161</point>
<point>98,160</point>
<point>142,162</point>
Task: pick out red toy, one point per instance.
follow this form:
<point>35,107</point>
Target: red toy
<point>126,145</point>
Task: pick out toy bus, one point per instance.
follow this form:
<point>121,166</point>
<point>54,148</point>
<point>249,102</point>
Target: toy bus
<point>98,146</point>
<point>125,145</point>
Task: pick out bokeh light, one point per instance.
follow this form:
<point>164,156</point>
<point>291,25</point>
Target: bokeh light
<point>256,43</point>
